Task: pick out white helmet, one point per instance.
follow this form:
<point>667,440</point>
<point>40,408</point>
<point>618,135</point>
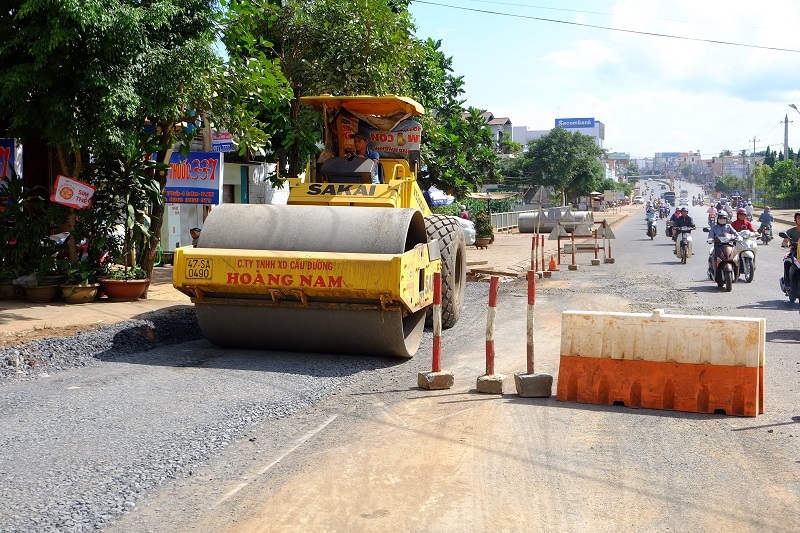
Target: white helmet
<point>462,207</point>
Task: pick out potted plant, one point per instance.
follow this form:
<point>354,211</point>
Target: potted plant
<point>24,224</point>
<point>125,284</point>
<point>8,291</point>
<point>484,233</point>
<point>79,285</point>
<point>41,286</point>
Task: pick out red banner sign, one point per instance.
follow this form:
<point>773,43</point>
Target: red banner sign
<point>72,193</point>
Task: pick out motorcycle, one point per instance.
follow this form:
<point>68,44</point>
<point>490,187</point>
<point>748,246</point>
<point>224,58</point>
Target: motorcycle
<point>723,263</point>
<point>766,233</point>
<point>791,287</point>
<point>652,229</point>
<point>683,243</point>
<point>746,250</point>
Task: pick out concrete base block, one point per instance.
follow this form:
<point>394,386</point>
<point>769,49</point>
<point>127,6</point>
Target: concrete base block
<point>609,260</point>
<point>573,267</point>
<point>533,385</point>
<point>595,262</point>
<point>491,383</point>
<point>547,274</point>
<point>435,380</point>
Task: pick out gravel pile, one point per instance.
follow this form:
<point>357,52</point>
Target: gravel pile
<point>46,356</point>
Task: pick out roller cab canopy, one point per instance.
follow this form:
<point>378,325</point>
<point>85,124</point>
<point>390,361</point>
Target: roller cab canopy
<point>387,105</point>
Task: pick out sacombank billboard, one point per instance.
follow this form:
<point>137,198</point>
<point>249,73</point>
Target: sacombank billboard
<point>575,122</point>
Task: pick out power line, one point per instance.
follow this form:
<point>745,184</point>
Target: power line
<point>651,34</point>
<point>584,12</point>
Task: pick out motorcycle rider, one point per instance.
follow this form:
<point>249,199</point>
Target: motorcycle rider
<point>793,235</point>
<point>712,214</point>
<point>680,221</point>
<point>741,221</point>
<point>722,227</point>
<point>749,210</point>
<point>766,219</point>
<point>672,223</point>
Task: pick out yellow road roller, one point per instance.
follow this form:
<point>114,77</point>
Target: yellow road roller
<point>347,266</point>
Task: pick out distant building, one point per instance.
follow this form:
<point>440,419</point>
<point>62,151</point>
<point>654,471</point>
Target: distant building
<point>499,126</point>
<point>585,126</point>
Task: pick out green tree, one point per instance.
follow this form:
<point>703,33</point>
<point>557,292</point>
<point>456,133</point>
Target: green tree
<point>329,46</point>
<point>456,150</point>
<point>729,183</point>
<point>780,182</point>
<point>761,175</point>
<point>507,146</point>
<point>769,157</point>
<point>566,161</point>
<point>632,170</point>
<point>70,78</point>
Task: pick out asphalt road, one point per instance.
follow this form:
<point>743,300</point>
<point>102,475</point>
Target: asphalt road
<point>372,452</point>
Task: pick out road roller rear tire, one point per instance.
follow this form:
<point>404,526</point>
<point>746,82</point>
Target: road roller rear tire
<point>454,266</point>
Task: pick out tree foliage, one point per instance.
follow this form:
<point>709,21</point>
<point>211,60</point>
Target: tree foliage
<point>566,161</point>
<point>729,183</point>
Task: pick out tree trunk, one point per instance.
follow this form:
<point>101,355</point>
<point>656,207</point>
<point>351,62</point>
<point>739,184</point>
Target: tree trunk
<point>294,149</point>
<point>73,171</point>
<point>157,214</point>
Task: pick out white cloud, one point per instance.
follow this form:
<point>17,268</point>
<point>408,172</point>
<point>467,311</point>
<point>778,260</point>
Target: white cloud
<point>653,93</point>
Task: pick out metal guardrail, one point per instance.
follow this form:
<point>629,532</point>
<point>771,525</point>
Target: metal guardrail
<point>507,220</point>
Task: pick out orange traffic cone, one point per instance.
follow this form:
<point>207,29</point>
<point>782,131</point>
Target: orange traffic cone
<point>553,264</point>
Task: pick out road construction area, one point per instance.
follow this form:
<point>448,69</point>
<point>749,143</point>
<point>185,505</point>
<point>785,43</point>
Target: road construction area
<point>143,425</point>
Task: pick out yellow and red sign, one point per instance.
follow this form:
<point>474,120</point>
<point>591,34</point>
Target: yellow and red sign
<point>72,193</point>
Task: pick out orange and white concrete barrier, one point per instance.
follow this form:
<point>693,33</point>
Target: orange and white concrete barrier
<point>490,382</point>
<point>678,362</point>
<point>436,379</point>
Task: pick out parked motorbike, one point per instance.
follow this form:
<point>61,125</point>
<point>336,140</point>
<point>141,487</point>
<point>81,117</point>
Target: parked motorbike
<point>683,243</point>
<point>723,263</point>
<point>791,287</point>
<point>746,250</point>
<point>652,229</point>
<point>58,243</point>
<point>766,233</point>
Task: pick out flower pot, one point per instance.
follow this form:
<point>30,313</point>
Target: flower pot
<point>8,291</point>
<point>123,290</point>
<point>482,242</point>
<point>40,294</point>
<point>79,294</point>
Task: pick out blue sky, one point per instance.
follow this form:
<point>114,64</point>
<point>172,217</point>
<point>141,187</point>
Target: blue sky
<point>654,94</point>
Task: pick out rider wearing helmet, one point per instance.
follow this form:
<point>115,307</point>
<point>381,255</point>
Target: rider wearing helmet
<point>464,213</point>
<point>766,219</point>
<point>793,235</point>
<point>682,220</point>
<point>722,227</point>
<point>741,222</point>
<point>673,222</point>
<point>749,210</point>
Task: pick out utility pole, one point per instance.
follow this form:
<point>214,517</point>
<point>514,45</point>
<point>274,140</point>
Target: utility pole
<point>786,138</point>
<point>753,168</point>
